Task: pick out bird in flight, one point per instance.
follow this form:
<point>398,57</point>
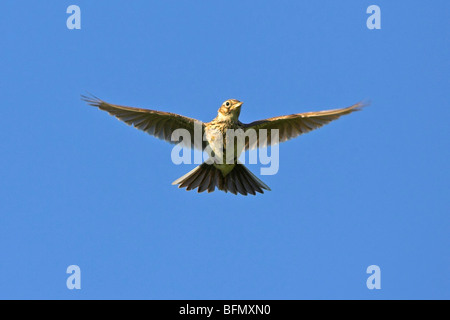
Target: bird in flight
<point>230,176</point>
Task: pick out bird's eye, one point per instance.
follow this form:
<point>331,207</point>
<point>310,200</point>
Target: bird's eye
<point>227,104</point>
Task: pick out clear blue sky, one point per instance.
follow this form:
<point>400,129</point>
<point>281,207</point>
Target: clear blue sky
<point>79,187</point>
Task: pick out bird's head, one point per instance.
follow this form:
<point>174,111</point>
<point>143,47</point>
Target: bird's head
<point>230,110</point>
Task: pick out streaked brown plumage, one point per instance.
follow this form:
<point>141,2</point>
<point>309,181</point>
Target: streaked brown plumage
<point>233,177</point>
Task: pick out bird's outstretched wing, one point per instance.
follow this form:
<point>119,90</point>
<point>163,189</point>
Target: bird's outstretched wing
<point>156,123</point>
<point>294,125</point>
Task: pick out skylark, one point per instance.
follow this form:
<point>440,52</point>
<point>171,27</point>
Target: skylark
<point>233,177</point>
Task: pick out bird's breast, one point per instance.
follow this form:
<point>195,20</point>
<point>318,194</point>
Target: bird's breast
<point>220,139</point>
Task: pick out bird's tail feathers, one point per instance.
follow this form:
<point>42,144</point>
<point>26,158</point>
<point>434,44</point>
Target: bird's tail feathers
<point>208,177</point>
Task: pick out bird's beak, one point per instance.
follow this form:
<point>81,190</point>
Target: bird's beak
<point>238,105</point>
